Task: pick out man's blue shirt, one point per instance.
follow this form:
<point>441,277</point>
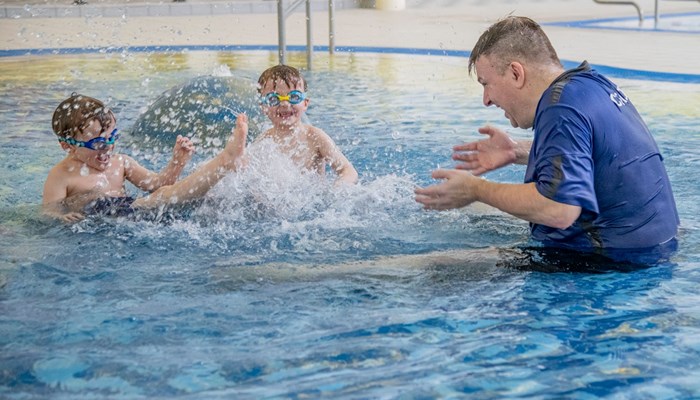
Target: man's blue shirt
<point>592,149</point>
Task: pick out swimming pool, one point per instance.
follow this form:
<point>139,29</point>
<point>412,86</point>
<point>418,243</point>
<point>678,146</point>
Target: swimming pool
<point>322,292</point>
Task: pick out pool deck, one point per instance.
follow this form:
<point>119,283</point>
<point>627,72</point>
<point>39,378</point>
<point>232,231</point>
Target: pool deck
<point>424,24</point>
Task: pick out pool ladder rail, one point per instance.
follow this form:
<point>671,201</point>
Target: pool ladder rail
<point>282,15</point>
<point>638,8</point>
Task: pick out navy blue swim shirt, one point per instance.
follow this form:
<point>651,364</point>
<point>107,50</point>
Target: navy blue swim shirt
<point>592,149</point>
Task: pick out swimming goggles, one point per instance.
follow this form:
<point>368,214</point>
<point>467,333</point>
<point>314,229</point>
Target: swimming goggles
<point>274,99</point>
<point>98,143</point>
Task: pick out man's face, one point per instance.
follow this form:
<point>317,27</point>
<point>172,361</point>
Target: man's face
<point>501,89</point>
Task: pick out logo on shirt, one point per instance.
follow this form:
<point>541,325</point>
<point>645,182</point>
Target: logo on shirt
<point>619,98</point>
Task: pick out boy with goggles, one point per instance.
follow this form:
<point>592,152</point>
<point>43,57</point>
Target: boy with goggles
<point>284,101</point>
<point>91,178</point>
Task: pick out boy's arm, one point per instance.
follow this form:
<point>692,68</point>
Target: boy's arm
<point>55,193</point>
<point>335,158</point>
<point>182,154</point>
<point>150,181</point>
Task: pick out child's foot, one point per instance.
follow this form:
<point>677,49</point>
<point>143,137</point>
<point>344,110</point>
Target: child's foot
<point>235,148</point>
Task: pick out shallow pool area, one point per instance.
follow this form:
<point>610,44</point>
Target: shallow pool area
<point>291,288</point>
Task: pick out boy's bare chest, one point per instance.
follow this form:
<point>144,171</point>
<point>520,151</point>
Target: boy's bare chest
<point>300,151</point>
<point>108,182</point>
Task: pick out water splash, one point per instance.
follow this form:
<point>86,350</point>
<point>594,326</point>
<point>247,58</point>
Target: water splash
<point>222,70</point>
<point>275,210</point>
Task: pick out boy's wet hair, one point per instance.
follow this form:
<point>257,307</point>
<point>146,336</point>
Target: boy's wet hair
<point>75,114</point>
<point>289,75</point>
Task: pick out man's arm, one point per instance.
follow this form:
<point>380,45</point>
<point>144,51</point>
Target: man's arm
<point>460,188</point>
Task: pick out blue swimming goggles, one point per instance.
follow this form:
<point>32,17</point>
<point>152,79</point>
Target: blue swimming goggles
<point>98,143</point>
<point>273,99</point>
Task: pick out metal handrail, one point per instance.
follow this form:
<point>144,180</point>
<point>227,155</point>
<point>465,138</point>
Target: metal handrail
<point>282,15</point>
<point>656,13</point>
<point>631,3</point>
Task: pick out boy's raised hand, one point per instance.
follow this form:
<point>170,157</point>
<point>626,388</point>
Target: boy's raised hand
<point>183,150</point>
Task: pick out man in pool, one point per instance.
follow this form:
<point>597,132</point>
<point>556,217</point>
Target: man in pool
<point>595,180</point>
<point>91,177</point>
<point>284,100</point>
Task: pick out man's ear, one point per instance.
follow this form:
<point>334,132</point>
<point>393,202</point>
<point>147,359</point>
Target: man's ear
<point>517,72</point>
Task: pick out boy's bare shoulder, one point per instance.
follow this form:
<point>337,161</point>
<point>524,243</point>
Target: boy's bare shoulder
<point>314,130</point>
<point>63,167</point>
<point>317,134</point>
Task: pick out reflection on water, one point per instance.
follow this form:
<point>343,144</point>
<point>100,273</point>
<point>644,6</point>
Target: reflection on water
<point>279,284</point>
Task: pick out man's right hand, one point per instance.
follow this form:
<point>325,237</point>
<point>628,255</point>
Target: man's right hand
<point>496,151</point>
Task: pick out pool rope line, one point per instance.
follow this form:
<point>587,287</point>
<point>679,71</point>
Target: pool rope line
<point>615,72</point>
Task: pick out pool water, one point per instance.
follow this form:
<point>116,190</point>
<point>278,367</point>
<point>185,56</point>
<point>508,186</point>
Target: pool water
<point>282,286</point>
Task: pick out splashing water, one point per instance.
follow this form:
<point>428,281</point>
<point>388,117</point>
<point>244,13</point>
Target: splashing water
<point>278,209</point>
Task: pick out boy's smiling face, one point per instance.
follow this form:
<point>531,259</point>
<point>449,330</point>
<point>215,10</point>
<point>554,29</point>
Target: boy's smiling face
<point>285,114</point>
<point>96,159</point>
